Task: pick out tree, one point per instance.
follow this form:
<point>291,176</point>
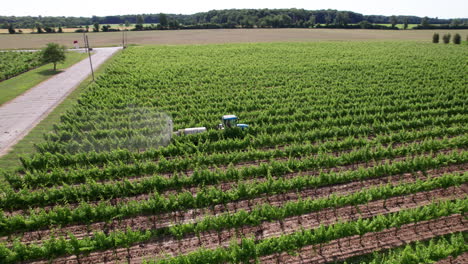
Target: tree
<point>49,29</point>
<point>163,20</point>
<point>365,24</point>
<point>127,24</point>
<point>87,28</point>
<point>328,19</point>
<point>405,23</point>
<point>342,19</point>
<point>455,23</point>
<point>96,27</point>
<point>60,30</point>
<point>425,22</point>
<point>140,20</point>
<point>435,38</point>
<point>39,28</point>
<point>11,29</point>
<point>311,21</point>
<point>106,28</point>
<point>53,53</point>
<point>446,38</point>
<point>138,27</point>
<point>457,39</point>
<point>173,24</point>
<point>393,21</point>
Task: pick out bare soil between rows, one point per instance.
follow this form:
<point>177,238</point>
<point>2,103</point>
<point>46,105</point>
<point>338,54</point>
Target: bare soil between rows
<point>169,246</point>
<point>233,165</point>
<point>238,165</point>
<point>181,217</point>
<point>461,259</point>
<point>230,184</point>
<point>344,248</point>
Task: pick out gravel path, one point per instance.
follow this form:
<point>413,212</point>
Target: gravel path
<point>21,114</point>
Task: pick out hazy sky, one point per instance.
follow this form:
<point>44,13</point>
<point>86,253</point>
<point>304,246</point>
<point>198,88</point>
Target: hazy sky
<point>431,8</point>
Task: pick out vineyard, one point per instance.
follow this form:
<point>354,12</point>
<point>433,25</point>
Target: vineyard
<point>14,63</point>
<point>355,153</point>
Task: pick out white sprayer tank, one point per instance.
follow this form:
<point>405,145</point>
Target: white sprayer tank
<point>194,130</point>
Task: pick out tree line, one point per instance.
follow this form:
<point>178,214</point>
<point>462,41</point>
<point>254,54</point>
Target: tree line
<point>233,18</point>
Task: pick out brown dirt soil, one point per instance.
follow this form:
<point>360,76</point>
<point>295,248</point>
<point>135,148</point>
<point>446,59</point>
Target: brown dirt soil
<point>354,166</point>
<point>342,249</point>
<point>221,167</point>
<point>462,259</point>
<point>224,167</point>
<point>180,217</point>
<point>142,197</point>
<point>168,246</point>
<point>217,36</point>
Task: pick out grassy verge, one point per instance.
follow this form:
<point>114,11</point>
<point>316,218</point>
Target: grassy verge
<point>17,85</point>
<point>26,145</point>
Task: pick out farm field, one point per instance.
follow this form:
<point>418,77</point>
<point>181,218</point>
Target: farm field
<point>14,63</point>
<point>401,26</point>
<point>23,81</point>
<point>352,148</point>
<point>219,36</point>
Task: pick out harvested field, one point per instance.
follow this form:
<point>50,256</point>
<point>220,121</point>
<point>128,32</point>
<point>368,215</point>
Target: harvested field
<point>351,148</point>
<point>217,36</point>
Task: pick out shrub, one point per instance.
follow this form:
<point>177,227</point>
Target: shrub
<point>106,28</point>
<point>435,38</point>
<point>446,38</point>
<point>457,39</point>
<point>11,29</point>
<point>49,29</point>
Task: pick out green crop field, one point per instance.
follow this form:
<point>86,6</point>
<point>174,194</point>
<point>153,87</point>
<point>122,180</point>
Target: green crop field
<point>352,148</point>
<point>15,86</point>
<point>14,63</point>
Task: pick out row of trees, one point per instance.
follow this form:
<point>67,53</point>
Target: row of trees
<point>342,20</point>
<point>235,18</point>
<point>38,28</point>
<point>446,38</point>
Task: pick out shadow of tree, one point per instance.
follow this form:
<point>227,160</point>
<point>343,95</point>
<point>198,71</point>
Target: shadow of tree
<point>49,72</point>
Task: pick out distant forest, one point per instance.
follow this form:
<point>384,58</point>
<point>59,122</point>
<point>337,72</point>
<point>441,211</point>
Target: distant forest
<point>237,18</point>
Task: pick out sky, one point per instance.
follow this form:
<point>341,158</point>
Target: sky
<point>87,8</point>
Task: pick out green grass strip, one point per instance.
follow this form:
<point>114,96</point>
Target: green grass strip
<point>17,85</point>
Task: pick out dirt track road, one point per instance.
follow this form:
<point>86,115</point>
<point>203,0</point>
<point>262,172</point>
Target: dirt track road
<point>21,114</point>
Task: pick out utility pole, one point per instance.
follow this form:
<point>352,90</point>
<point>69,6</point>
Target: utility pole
<point>126,39</point>
<point>123,40</point>
<point>89,54</point>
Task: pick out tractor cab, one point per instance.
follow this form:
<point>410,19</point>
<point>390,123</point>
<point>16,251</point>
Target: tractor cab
<point>230,121</point>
